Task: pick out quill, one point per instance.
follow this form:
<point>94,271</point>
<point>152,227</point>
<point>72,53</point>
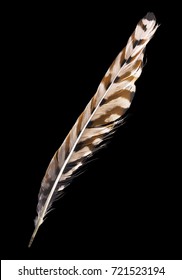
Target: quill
<point>102,115</point>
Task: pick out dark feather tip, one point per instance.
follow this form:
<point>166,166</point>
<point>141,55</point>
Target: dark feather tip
<point>150,16</point>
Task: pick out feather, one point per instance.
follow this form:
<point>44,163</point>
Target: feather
<point>98,120</point>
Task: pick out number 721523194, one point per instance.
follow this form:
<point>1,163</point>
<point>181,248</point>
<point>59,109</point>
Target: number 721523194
<point>137,270</point>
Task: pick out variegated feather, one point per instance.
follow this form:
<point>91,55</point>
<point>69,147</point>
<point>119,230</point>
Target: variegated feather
<point>102,114</point>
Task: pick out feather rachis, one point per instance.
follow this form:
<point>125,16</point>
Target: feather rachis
<point>102,114</point>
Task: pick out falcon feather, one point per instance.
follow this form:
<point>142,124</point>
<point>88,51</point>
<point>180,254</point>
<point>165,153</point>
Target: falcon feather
<point>98,120</point>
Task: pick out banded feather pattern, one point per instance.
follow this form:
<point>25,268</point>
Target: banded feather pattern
<point>102,114</point>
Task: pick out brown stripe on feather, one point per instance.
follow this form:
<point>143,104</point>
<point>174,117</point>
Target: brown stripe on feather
<point>103,101</point>
<point>56,156</point>
<point>53,170</point>
<point>67,146</point>
<point>93,104</point>
<point>79,124</point>
<point>131,58</point>
<point>122,77</point>
<point>129,79</point>
<point>70,165</point>
<point>121,93</point>
<point>122,58</point>
<point>81,159</point>
<point>127,94</point>
<point>133,37</point>
<point>87,142</point>
<point>138,42</point>
<point>143,26</point>
<point>103,118</point>
<point>107,81</point>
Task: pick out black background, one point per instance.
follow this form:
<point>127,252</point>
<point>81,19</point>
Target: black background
<point>126,204</point>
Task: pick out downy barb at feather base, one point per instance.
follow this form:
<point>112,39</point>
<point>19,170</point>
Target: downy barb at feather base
<point>98,120</point>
